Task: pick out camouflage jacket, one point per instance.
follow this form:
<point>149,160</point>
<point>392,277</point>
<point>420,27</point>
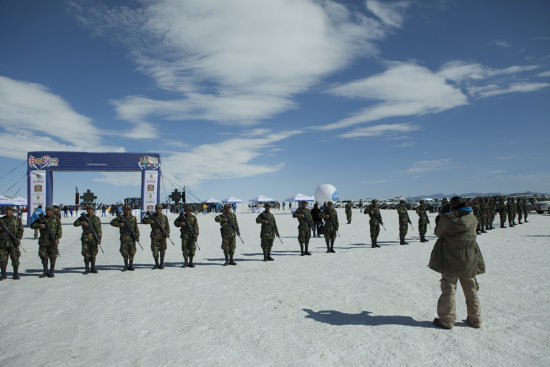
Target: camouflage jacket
<point>305,220</point>
<point>184,229</point>
<point>55,226</point>
<point>422,215</point>
<point>157,232</point>
<point>403,214</point>
<point>331,219</point>
<point>125,233</point>
<point>14,225</point>
<point>269,226</point>
<point>374,214</point>
<point>87,232</point>
<point>348,208</point>
<point>228,223</point>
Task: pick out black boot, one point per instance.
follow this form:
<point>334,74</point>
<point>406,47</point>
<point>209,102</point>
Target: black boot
<point>3,275</point>
<point>226,260</point>
<point>156,266</point>
<point>269,258</point>
<point>332,246</point>
<point>131,265</point>
<point>502,225</point>
<point>191,265</point>
<point>328,248</point>
<point>185,263</point>
<point>16,272</point>
<point>376,242</point>
<point>93,270</point>
<point>161,265</point>
<point>52,269</point>
<point>45,265</point>
<point>231,262</point>
<point>265,255</point>
<point>306,250</point>
<point>302,250</point>
<point>87,265</point>
<point>125,264</point>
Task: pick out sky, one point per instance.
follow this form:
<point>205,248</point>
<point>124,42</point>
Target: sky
<point>275,97</point>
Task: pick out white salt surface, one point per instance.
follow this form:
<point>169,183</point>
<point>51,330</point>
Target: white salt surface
<point>357,307</point>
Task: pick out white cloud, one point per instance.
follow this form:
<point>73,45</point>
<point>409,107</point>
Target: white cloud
<point>373,182</point>
<point>545,74</point>
<point>120,178</point>
<point>460,71</point>
<point>382,129</point>
<point>235,62</point>
<point>389,13</point>
<point>496,89</point>
<point>405,89</point>
<point>429,166</point>
<point>232,158</point>
<point>497,171</point>
<point>503,44</point>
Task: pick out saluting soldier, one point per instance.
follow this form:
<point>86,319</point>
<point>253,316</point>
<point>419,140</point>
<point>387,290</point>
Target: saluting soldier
<point>330,217</point>
<point>50,233</point>
<point>189,228</point>
<point>268,232</point>
<point>403,217</point>
<point>9,247</point>
<point>160,230</point>
<point>89,242</point>
<point>127,241</point>
<point>348,211</point>
<point>375,220</point>
<point>305,226</point>
<point>422,221</point>
<point>229,228</point>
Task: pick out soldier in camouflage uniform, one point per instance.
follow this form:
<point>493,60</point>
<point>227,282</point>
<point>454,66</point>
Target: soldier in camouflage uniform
<point>189,228</point>
<point>519,211</point>
<point>48,245</point>
<point>305,226</point>
<point>229,227</point>
<point>9,248</point>
<point>483,214</point>
<point>511,209</point>
<point>127,241</point>
<point>89,243</point>
<point>348,212</point>
<point>423,221</point>
<point>330,217</point>
<point>502,212</point>
<point>525,208</point>
<point>268,232</point>
<point>158,234</point>
<point>375,220</point>
<point>479,216</point>
<point>404,220</point>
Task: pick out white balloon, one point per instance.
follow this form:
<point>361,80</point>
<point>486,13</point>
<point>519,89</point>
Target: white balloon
<point>325,193</point>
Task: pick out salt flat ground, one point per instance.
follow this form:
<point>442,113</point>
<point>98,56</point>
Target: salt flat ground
<point>357,307</point>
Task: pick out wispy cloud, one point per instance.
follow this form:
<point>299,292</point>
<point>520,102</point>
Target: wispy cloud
<point>495,89</point>
<point>497,171</point>
<point>374,182</point>
<point>503,44</point>
<point>506,157</point>
<point>382,129</point>
<point>391,14</point>
<point>460,71</point>
<point>544,74</point>
<point>405,90</point>
<point>429,166</point>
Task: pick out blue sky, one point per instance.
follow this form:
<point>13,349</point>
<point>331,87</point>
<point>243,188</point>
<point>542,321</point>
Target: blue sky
<point>245,97</point>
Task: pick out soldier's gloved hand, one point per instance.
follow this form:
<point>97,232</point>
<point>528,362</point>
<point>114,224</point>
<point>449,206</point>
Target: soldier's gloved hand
<point>121,225</point>
<point>42,225</point>
<point>85,224</point>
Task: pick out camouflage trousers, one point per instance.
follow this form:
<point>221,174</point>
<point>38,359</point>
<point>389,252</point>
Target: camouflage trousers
<point>422,228</point>
<point>158,245</point>
<point>348,217</point>
<point>502,218</point>
<point>330,236</point>
<point>446,305</point>
<point>128,248</point>
<point>267,243</point>
<point>520,215</point>
<point>89,250</point>
<point>228,245</point>
<point>48,252</point>
<point>304,234</point>
<point>510,218</point>
<point>7,252</point>
<point>525,214</point>
<point>374,230</point>
<point>188,247</point>
<point>403,228</point>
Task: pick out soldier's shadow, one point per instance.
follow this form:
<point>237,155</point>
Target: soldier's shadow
<point>365,318</point>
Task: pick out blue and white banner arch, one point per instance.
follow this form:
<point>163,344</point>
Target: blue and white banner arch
<point>41,165</point>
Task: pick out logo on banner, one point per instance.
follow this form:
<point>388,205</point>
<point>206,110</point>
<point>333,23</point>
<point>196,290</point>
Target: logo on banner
<point>43,162</point>
<point>148,162</point>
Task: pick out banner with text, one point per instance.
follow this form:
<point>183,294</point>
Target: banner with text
<point>150,187</point>
<point>38,189</point>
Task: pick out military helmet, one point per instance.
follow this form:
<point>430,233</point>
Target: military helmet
<point>267,205</point>
<point>49,207</point>
<point>127,207</point>
<point>90,206</point>
<point>8,207</point>
<point>158,206</point>
<point>227,206</point>
<point>189,208</point>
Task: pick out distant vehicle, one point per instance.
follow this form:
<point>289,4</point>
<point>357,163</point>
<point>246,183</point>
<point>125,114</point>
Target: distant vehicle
<point>542,206</point>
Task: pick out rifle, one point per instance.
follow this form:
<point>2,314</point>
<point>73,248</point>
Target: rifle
<point>12,236</point>
<point>273,227</point>
<point>129,229</point>
<point>49,230</point>
<point>377,216</point>
<point>188,225</point>
<point>428,219</point>
<point>334,223</point>
<point>83,215</point>
<point>166,234</point>
<point>409,220</point>
<point>308,220</point>
<point>234,228</point>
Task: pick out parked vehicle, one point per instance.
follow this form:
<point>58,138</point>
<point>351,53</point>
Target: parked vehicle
<point>542,206</point>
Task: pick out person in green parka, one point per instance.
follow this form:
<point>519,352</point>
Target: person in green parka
<point>456,255</point>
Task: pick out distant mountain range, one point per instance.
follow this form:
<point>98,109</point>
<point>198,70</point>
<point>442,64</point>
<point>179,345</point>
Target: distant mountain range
<point>472,194</point>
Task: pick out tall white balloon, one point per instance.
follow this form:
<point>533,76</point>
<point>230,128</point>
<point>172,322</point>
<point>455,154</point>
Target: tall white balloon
<point>325,193</point>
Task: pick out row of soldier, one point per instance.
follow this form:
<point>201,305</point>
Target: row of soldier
<point>49,226</point>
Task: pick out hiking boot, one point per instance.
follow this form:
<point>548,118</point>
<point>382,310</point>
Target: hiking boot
<point>438,322</point>
<point>93,269</point>
<point>475,325</point>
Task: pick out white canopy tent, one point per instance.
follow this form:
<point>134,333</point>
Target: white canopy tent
<point>232,200</point>
<point>212,201</point>
<point>300,197</point>
<point>261,199</point>
<point>19,201</point>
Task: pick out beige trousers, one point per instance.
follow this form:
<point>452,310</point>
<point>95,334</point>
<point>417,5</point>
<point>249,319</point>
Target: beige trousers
<point>446,305</point>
